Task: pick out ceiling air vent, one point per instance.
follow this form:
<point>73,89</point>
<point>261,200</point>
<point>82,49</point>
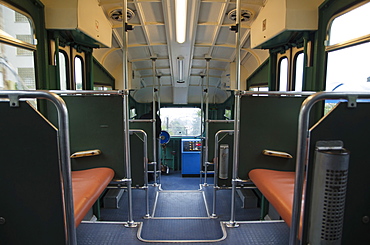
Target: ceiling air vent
<point>246,15</point>
<point>116,14</point>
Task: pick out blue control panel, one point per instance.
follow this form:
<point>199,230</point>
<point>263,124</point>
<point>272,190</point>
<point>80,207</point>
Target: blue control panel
<point>191,151</point>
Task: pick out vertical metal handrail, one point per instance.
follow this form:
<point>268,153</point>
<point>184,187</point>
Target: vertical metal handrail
<point>215,176</point>
<point>126,117</point>
<point>154,125</point>
<point>232,222</point>
<point>303,143</point>
<point>206,129</point>
<point>146,181</point>
<point>64,150</point>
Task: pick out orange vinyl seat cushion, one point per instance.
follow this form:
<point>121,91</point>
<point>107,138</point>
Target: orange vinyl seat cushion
<point>87,186</point>
<point>278,188</point>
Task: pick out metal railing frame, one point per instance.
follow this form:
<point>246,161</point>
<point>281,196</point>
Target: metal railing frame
<point>215,186</point>
<point>146,185</point>
<point>235,179</point>
<point>303,142</point>
<point>205,156</point>
<point>128,180</point>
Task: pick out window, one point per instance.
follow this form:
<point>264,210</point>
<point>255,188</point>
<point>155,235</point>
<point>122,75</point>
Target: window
<point>348,69</point>
<point>348,63</point>
<point>227,114</point>
<point>259,88</point>
<point>78,73</point>
<point>28,77</point>
<point>102,87</point>
<point>350,25</point>
<point>181,121</point>
<point>283,74</point>
<point>15,25</point>
<point>16,62</point>
<point>63,71</point>
<point>298,72</point>
<point>27,39</point>
<point>133,113</point>
<point>20,18</point>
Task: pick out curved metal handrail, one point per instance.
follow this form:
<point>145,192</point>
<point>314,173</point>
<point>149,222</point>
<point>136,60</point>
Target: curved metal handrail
<point>215,176</point>
<point>63,129</point>
<point>146,185</point>
<point>303,142</point>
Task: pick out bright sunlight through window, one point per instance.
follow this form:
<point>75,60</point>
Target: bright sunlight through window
<point>181,121</point>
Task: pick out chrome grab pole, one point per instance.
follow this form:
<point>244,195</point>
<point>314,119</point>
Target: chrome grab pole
<point>215,176</point>
<point>126,117</point>
<point>208,59</point>
<point>232,222</point>
<point>64,150</point>
<point>303,143</point>
<point>202,126</point>
<point>155,141</point>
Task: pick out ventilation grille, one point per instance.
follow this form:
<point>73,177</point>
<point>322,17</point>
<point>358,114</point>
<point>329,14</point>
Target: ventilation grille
<point>116,14</point>
<point>334,200</point>
<point>245,15</point>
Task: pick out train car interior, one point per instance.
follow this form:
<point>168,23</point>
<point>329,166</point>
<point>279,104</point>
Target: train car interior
<point>184,122</point>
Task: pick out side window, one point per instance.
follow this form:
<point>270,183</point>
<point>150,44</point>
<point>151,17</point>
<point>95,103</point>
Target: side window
<point>133,113</point>
<point>78,73</point>
<point>17,46</point>
<point>262,88</point>
<point>351,22</point>
<point>259,88</point>
<point>290,69</point>
<point>102,87</point>
<point>298,71</point>
<point>63,59</point>
<point>348,63</point>
<point>227,113</point>
<point>283,74</point>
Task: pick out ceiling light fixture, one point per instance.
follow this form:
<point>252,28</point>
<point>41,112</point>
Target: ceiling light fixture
<point>180,12</point>
<point>180,68</point>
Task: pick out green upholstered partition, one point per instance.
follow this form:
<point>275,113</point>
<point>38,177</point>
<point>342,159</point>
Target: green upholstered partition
<point>96,122</point>
<point>30,185</point>
<point>268,122</point>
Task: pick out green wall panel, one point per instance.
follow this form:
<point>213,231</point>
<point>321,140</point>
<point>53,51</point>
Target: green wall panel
<point>267,123</point>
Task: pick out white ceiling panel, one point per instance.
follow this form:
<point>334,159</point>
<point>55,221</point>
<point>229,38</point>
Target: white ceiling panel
<point>208,36</point>
<point>157,34</point>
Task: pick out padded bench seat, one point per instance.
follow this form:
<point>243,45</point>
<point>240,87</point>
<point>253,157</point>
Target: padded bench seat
<point>87,186</point>
<point>278,188</point>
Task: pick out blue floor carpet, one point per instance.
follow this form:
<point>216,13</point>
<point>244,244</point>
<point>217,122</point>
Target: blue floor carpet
<point>246,234</point>
<point>171,218</point>
<point>180,204</point>
<point>206,230</point>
